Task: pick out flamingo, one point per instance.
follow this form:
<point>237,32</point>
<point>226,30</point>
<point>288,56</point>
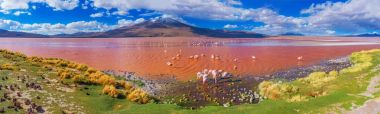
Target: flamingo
<point>300,58</point>
<point>178,55</point>
<point>236,59</point>
<point>169,63</point>
<point>203,55</point>
<point>205,71</point>
<point>214,74</point>
<point>235,67</point>
<point>199,75</point>
<point>212,56</point>
<point>225,74</point>
<point>191,57</point>
<point>217,58</point>
<point>165,51</point>
<point>253,57</point>
<point>196,56</point>
<point>204,78</point>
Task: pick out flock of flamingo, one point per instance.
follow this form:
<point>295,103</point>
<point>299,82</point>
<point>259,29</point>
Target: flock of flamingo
<point>215,74</point>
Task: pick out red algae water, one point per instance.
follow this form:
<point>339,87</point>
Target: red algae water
<point>149,57</point>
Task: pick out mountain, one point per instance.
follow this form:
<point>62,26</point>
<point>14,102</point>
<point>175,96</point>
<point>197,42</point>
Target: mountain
<point>291,34</point>
<point>161,27</point>
<point>5,33</point>
<point>365,35</point>
<point>164,27</point>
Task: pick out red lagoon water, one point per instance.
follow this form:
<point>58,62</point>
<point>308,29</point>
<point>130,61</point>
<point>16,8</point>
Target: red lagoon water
<point>149,56</point>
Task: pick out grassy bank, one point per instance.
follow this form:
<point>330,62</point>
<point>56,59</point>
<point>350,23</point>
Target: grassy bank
<point>56,86</point>
<point>71,87</point>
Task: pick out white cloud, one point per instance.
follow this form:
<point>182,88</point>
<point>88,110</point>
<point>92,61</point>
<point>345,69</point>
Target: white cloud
<point>85,4</point>
<point>353,16</point>
<point>274,23</point>
<point>73,27</point>
<point>120,12</point>
<point>150,14</point>
<point>9,24</point>
<point>100,14</point>
<point>4,11</point>
<point>24,4</point>
<point>233,2</point>
<point>62,4</point>
<point>210,9</point>
<point>14,4</point>
<point>124,22</point>
<point>229,26</point>
<point>327,18</point>
<point>18,13</point>
<point>350,16</point>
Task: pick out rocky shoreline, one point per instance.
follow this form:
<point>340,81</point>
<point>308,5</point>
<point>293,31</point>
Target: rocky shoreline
<point>196,91</point>
<point>299,72</point>
<point>153,87</point>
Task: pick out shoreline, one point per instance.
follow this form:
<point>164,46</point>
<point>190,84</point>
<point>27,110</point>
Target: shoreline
<point>168,88</point>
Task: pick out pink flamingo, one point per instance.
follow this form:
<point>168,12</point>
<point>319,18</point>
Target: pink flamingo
<point>169,63</point>
<point>196,56</point>
<point>214,74</point>
<point>300,58</point>
<point>199,75</point>
<point>204,78</point>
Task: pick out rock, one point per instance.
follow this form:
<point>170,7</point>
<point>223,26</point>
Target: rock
<point>2,110</point>
<point>30,111</point>
<point>40,109</point>
<point>226,105</point>
<point>28,102</point>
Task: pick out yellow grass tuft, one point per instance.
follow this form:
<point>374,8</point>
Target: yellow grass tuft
<point>139,96</point>
<point>110,90</point>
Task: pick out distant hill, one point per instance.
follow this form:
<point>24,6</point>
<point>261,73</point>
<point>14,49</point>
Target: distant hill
<point>6,33</point>
<point>291,34</point>
<point>164,27</point>
<point>365,35</point>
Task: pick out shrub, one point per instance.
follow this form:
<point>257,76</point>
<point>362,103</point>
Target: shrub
<point>91,70</point>
<point>270,90</point>
<point>317,93</point>
<point>81,67</point>
<point>106,80</point>
<point>80,79</point>
<point>7,66</point>
<point>138,96</point>
<point>297,98</point>
<point>110,90</point>
<point>128,88</point>
<point>65,74</point>
<point>35,59</point>
<point>333,73</point>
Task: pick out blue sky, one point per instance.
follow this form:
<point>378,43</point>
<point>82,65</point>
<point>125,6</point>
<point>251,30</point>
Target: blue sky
<point>310,17</point>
